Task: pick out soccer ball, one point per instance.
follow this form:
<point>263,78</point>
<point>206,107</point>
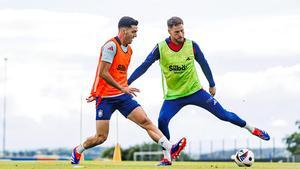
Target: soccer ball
<point>244,158</point>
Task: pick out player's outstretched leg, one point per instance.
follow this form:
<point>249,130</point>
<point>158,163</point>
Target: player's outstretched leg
<point>102,128</point>
<point>257,132</point>
<point>206,101</point>
<point>261,134</point>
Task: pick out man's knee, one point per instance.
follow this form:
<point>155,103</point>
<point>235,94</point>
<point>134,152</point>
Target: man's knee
<point>146,122</point>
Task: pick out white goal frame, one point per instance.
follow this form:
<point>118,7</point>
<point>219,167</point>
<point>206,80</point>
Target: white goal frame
<point>143,153</point>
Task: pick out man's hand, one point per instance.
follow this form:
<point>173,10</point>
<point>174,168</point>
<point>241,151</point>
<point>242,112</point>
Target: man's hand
<point>212,90</point>
<point>130,90</point>
<point>90,99</point>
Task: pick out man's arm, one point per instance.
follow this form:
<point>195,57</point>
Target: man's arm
<point>104,74</point>
<point>205,68</point>
<point>203,64</point>
<point>151,58</point>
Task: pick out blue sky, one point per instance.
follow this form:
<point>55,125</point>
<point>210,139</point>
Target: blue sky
<point>53,47</point>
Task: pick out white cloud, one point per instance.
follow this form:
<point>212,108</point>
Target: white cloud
<point>241,84</point>
<point>54,33</point>
<point>269,36</point>
<point>279,123</point>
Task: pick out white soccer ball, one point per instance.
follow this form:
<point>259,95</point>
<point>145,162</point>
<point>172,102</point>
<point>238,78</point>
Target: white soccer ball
<point>244,158</point>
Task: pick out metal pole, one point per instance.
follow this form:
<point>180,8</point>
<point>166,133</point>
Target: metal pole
<point>80,139</point>
<point>190,147</point>
<point>235,146</point>
<point>274,150</point>
<point>4,106</point>
<point>150,149</point>
<point>260,149</point>
<point>117,125</point>
<point>200,149</point>
<point>211,149</point>
<point>248,143</point>
<point>223,148</point>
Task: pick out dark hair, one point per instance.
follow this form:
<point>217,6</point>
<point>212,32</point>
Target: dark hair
<point>127,22</point>
<point>174,21</point>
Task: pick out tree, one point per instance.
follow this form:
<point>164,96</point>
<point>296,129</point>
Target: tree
<point>293,141</point>
<point>108,153</point>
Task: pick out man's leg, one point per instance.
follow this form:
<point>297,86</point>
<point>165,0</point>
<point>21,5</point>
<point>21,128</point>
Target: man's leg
<point>139,116</point>
<point>104,110</point>
<point>167,112</point>
<point>102,129</point>
<point>133,111</point>
<point>206,101</point>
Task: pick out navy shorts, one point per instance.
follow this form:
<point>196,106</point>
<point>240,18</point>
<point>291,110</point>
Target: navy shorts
<point>124,103</point>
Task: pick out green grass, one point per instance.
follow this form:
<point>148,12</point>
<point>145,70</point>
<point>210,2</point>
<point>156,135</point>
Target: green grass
<point>138,165</point>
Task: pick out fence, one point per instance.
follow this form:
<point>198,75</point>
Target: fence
<point>222,150</point>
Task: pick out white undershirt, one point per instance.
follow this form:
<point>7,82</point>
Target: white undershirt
<point>109,51</point>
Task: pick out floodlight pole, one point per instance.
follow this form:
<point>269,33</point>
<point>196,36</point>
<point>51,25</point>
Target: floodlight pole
<point>80,123</point>
<point>117,127</point>
<point>4,106</point>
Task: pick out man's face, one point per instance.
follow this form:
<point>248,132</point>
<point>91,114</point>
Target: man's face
<point>130,33</point>
<point>177,33</point>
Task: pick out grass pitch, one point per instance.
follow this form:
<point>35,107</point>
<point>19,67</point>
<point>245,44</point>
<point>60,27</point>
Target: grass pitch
<point>138,165</point>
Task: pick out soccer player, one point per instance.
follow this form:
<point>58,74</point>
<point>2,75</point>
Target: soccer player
<point>111,92</point>
<point>177,56</point>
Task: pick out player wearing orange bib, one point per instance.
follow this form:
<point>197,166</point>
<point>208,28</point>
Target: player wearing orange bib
<point>118,69</point>
<point>111,92</point>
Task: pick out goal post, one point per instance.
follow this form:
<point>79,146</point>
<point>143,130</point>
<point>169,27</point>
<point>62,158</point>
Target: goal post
<point>141,154</point>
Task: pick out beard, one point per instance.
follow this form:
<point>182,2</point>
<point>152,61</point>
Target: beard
<point>180,40</point>
<point>129,41</point>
